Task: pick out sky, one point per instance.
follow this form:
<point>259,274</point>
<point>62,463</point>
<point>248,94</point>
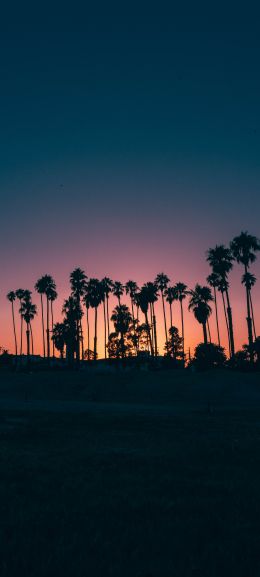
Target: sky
<point>130,141</point>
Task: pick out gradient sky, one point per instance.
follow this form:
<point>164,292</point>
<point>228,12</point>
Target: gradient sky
<point>130,143</point>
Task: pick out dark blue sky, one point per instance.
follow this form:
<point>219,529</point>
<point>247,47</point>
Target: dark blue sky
<point>110,111</point>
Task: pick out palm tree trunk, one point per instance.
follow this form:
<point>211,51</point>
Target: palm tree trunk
<point>21,336</point>
<point>151,323</point>
<point>205,336</point>
<point>252,314</point>
<point>52,323</point>
<point>81,340</point>
<point>249,322</point>
<point>48,328</point>
<point>155,332</point>
<point>171,313</point>
<point>182,331</point>
<point>226,319</point>
<point>31,339</point>
<point>108,325</point>
<point>230,323</point>
<point>149,334</point>
<point>88,334</point>
<point>14,327</point>
<point>28,342</point>
<point>95,336</point>
<point>43,330</point>
<point>164,316</point>
<point>216,311</point>
<point>209,333</point>
<point>105,327</point>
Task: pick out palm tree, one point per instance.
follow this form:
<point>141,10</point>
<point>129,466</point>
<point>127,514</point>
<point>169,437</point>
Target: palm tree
<point>199,304</point>
<point>103,299</point>
<point>121,318</point>
<point>249,280</point>
<point>94,299</point>
<point>213,280</point>
<point>78,288</point>
<point>52,296</point>
<point>118,290</point>
<point>59,337</point>
<point>11,296</point>
<point>40,287</point>
<point>244,248</point>
<point>170,295</point>
<point>180,292</point>
<point>162,282</point>
<point>19,293</point>
<point>28,312</point>
<point>87,305</point>
<point>221,259</point>
<point>131,288</point>
<point>143,302</point>
<point>107,284</point>
<point>152,292</point>
<point>73,313</point>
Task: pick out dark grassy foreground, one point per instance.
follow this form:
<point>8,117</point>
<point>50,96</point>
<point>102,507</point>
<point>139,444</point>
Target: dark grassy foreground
<point>134,495</point>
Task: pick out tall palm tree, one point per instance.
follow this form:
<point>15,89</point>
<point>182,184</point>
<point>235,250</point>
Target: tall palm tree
<point>152,291</point>
<point>103,299</point>
<point>78,288</point>
<point>11,296</point>
<point>107,284</point>
<point>87,305</point>
<point>143,302</point>
<point>52,296</point>
<point>28,311</point>
<point>244,248</point>
<point>43,286</point>
<point>199,303</point>
<point>19,293</point>
<point>221,259</point>
<point>121,318</point>
<point>73,313</point>
<point>40,287</point>
<point>170,295</point>
<point>131,288</point>
<point>249,280</point>
<point>180,292</point>
<point>95,299</point>
<point>162,282</point>
<point>118,290</point>
<point>213,280</point>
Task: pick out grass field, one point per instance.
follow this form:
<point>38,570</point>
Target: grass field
<point>167,487</point>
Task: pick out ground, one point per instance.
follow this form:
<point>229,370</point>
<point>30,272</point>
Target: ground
<point>130,475</point>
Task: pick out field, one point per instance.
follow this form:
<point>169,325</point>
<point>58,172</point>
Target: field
<point>130,475</point>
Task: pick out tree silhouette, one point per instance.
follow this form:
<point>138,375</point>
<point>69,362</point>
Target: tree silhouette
<point>221,259</point>
<point>170,295</point>
<point>244,248</point>
<point>28,311</point>
<point>131,288</point>
<point>162,282</point>
<point>174,345</point>
<point>213,280</point>
<point>59,334</point>
<point>78,289</point>
<point>94,299</point>
<point>19,293</point>
<point>52,296</point>
<point>118,290</point>
<point>121,318</point>
<point>199,304</point>
<point>11,296</point>
<point>152,292</point>
<point>249,280</point>
<point>181,291</point>
<point>143,302</point>
<point>107,285</point>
